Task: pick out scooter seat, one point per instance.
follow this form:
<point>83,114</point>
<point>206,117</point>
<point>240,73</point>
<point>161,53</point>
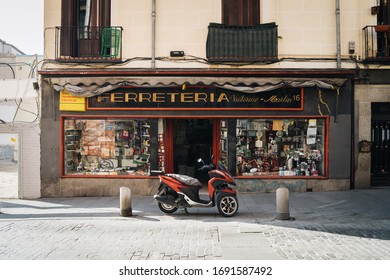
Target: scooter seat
<point>186,180</point>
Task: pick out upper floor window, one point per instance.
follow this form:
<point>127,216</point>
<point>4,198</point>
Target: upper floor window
<point>86,13</point>
<point>86,33</point>
<point>384,12</point>
<point>241,12</point>
<point>241,37</point>
<point>376,37</point>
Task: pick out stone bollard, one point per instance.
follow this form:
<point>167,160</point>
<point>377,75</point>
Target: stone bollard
<point>282,204</point>
<point>125,202</point>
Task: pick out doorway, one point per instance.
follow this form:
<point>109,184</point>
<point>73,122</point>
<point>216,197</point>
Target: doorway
<point>9,165</point>
<point>192,139</point>
<point>380,152</point>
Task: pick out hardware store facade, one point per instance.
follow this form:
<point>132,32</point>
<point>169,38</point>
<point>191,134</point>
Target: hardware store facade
<point>101,132</point>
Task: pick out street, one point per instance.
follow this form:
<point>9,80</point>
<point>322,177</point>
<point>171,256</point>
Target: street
<point>351,225</point>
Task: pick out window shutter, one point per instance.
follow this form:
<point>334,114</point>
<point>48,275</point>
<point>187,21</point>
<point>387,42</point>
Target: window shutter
<point>241,12</point>
<point>83,38</point>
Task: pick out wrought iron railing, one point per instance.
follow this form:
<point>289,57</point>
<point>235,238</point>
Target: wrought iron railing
<point>88,44</point>
<point>376,41</point>
<point>257,43</point>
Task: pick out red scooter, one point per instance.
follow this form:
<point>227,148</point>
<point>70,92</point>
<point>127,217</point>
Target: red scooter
<point>182,191</point>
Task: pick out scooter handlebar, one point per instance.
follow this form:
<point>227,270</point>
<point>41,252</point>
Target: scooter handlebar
<point>207,167</point>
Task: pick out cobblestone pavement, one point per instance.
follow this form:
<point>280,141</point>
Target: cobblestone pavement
<point>8,178</point>
<point>351,225</point>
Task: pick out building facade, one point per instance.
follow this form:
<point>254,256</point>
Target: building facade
<point>372,103</point>
<point>268,87</point>
<point>19,125</point>
<point>7,49</point>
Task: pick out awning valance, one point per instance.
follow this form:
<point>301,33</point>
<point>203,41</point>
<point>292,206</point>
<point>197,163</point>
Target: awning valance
<point>92,86</point>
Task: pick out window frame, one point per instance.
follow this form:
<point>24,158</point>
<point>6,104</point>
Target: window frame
<point>325,149</point>
<point>169,146</point>
<point>240,12</point>
<point>76,39</point>
<point>63,118</point>
<point>100,13</point>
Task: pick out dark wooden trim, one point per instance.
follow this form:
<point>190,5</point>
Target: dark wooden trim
<point>240,12</point>
<point>216,151</point>
<point>197,72</point>
<point>62,156</point>
<point>168,140</point>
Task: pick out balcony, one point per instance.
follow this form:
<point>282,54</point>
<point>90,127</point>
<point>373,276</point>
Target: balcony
<point>242,44</point>
<point>88,44</point>
<point>376,39</point>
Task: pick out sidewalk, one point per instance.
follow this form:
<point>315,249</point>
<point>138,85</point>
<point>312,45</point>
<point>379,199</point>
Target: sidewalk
<point>352,225</point>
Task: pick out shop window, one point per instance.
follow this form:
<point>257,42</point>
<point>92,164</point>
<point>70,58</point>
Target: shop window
<point>106,147</point>
<point>279,147</point>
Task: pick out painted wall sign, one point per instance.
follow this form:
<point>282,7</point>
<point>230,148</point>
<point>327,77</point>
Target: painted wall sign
<point>69,102</point>
<point>196,98</point>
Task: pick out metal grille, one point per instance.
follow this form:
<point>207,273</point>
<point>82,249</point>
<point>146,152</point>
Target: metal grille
<point>380,154</point>
<point>88,44</point>
<point>376,48</point>
<point>256,43</point>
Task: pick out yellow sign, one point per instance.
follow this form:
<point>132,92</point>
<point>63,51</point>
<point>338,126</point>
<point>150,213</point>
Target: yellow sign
<point>69,102</point>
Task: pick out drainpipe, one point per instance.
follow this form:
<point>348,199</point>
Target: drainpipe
<point>338,41</point>
<point>153,34</point>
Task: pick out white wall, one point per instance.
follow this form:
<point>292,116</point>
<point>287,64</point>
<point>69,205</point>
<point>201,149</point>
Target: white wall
<point>29,157</point>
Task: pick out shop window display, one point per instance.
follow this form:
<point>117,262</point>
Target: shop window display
<point>106,147</point>
<point>280,147</point>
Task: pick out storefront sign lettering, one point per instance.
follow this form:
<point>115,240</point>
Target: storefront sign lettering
<point>155,97</point>
<point>208,98</point>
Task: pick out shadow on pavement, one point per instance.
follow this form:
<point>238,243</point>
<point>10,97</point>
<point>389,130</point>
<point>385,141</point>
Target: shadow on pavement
<point>364,214</point>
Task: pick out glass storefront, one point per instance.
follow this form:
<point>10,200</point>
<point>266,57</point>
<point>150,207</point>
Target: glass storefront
<point>278,147</point>
<point>263,146</point>
<point>106,147</point>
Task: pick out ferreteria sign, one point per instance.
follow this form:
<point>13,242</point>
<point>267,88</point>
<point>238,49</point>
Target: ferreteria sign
<point>196,98</point>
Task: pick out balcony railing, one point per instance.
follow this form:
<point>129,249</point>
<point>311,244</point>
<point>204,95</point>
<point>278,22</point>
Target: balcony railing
<point>257,43</point>
<point>376,40</point>
<point>88,44</point>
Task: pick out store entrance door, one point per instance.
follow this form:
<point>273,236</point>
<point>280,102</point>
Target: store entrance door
<point>380,152</point>
<point>193,139</point>
<point>9,165</point>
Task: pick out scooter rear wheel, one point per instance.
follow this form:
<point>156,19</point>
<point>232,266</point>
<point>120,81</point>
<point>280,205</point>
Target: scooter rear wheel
<point>166,208</point>
<point>227,204</point>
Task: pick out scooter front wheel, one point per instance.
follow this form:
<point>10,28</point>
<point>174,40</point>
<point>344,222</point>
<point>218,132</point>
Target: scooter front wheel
<point>227,204</point>
<point>166,208</point>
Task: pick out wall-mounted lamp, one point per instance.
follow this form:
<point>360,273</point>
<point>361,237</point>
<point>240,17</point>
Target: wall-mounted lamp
<point>364,146</point>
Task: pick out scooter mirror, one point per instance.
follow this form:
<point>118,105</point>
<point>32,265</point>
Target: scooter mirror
<point>200,160</point>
